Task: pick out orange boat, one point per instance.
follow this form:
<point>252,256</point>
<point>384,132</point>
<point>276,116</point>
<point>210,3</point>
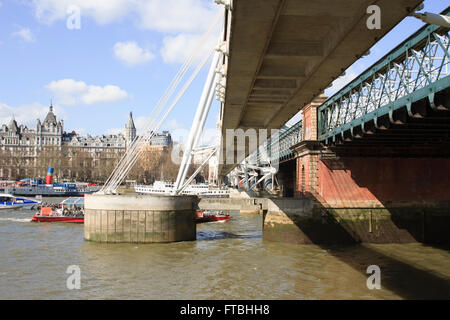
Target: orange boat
<point>70,210</point>
<point>210,216</point>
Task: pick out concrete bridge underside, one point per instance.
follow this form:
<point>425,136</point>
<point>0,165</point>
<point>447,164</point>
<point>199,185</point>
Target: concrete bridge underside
<point>283,53</point>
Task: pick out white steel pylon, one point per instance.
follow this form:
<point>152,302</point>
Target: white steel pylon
<point>198,124</point>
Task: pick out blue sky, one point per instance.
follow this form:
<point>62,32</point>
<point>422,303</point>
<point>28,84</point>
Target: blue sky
<point>121,59</point>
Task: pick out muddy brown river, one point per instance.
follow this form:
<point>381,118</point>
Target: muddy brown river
<point>229,260</point>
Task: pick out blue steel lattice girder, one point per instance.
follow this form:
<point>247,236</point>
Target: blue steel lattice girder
<point>376,84</point>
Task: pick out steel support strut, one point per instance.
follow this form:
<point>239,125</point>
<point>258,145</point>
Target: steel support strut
<point>199,122</point>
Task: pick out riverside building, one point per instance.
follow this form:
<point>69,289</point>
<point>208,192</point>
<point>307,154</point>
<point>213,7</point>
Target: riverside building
<point>26,152</point>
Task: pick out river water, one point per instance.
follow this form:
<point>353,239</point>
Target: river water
<point>229,260</point>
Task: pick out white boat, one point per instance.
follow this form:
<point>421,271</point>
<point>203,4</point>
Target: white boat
<point>8,201</point>
<point>162,187</point>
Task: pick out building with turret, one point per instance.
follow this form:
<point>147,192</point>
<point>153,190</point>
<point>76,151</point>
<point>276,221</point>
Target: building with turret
<point>50,132</point>
<point>26,152</point>
<point>130,130</point>
<point>47,133</point>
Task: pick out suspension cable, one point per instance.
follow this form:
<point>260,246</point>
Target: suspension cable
<point>137,145</point>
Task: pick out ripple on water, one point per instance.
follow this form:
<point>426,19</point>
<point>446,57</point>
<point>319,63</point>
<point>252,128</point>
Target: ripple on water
<point>228,261</point>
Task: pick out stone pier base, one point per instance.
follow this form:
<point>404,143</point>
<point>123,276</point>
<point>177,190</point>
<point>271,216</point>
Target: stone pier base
<point>244,205</point>
<point>139,218</point>
<point>307,222</point>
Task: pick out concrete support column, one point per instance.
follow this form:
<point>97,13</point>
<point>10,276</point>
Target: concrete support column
<point>139,218</point>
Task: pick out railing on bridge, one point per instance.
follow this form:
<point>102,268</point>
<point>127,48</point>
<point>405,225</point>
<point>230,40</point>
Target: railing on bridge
<point>277,147</point>
<point>415,70</point>
<point>287,139</point>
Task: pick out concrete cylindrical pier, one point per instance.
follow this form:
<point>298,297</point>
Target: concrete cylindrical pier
<point>139,218</point>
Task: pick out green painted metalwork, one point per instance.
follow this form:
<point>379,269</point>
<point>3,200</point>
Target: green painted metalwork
<point>416,69</point>
<point>288,138</point>
<point>276,148</point>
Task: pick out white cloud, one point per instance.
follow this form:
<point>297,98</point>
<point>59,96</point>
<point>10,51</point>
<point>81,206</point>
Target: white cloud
<point>70,92</point>
<point>176,49</point>
<point>175,15</point>
<point>131,53</point>
<point>109,93</point>
<point>141,123</point>
<point>67,86</point>
<point>181,21</point>
<point>25,34</point>
<point>27,114</point>
<point>172,124</point>
<point>102,11</point>
<point>158,15</point>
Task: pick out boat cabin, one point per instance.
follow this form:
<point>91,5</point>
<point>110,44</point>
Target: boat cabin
<point>73,203</point>
<point>5,198</point>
